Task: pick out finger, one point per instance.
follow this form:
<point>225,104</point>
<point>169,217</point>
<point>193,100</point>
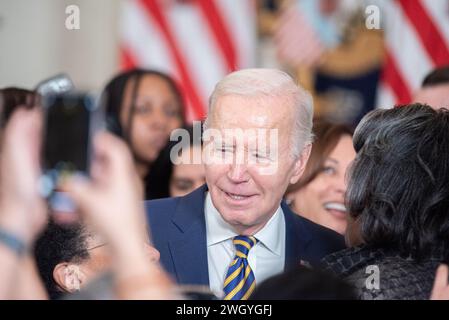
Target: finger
<point>24,127</point>
<point>441,280</point>
<point>35,136</point>
<point>21,140</point>
<point>112,146</point>
<point>81,191</point>
<point>113,154</point>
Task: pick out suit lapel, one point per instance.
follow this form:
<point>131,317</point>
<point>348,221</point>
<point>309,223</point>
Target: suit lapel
<point>188,247</point>
<point>296,238</point>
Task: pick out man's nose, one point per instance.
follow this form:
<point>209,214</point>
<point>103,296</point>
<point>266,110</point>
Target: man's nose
<point>238,173</point>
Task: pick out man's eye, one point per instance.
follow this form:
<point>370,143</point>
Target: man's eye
<point>259,156</point>
<point>329,170</point>
<point>224,149</point>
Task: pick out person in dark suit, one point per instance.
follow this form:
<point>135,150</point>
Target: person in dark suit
<point>235,231</point>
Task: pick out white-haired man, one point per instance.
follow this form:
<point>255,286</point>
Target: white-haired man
<point>236,231</point>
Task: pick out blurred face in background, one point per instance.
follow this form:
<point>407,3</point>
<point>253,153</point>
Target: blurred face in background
<point>322,199</point>
<point>187,176</point>
<point>436,96</point>
<point>156,113</point>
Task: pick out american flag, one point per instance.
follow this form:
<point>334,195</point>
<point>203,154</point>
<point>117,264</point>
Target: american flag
<point>297,42</point>
<point>196,41</point>
<point>417,41</point>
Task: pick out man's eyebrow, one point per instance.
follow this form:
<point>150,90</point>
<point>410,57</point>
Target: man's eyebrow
<point>333,160</point>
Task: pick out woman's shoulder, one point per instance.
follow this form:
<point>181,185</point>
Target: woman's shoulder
<point>379,274</point>
<point>350,260</point>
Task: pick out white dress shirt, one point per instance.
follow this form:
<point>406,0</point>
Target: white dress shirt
<point>266,258</point>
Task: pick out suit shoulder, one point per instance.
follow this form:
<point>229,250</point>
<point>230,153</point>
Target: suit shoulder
<point>320,235</point>
<point>160,209</point>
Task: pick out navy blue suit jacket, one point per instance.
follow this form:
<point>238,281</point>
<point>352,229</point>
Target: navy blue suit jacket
<point>178,230</point>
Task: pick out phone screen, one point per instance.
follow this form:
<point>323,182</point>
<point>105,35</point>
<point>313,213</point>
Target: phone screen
<point>67,134</point>
<point>70,122</point>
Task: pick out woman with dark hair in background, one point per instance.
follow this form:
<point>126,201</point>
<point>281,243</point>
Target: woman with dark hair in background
<point>319,194</point>
<point>188,171</point>
<point>143,107</point>
<point>398,204</point>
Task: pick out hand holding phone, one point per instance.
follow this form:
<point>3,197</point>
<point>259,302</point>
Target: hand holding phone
<point>71,121</point>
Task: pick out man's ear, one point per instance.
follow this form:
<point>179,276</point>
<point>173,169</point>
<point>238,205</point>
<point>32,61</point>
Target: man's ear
<point>300,164</point>
<point>68,276</point>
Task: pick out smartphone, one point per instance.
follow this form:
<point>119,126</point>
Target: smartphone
<point>60,83</point>
<point>71,121</point>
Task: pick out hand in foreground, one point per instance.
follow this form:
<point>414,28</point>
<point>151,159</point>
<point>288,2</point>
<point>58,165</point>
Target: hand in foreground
<point>111,202</point>
<point>22,211</point>
<point>440,290</point>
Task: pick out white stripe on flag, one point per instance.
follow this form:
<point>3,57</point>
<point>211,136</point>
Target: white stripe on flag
<point>197,48</point>
<point>142,37</point>
<point>404,44</point>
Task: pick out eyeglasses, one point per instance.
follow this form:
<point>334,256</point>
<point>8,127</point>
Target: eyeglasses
<point>97,246</point>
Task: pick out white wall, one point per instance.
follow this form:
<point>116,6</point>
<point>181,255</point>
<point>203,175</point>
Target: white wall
<point>35,44</point>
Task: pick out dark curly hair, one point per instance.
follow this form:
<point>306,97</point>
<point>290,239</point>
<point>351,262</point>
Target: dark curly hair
<point>399,182</point>
<point>59,243</point>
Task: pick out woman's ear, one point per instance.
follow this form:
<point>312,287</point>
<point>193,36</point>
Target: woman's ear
<point>68,276</point>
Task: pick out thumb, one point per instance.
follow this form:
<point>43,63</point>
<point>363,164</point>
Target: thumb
<point>81,191</point>
<point>440,283</point>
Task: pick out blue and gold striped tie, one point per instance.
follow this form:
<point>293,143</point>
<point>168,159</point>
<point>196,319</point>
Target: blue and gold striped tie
<point>240,281</point>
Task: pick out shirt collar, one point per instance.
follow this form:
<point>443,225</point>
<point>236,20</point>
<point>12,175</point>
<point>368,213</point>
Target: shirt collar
<point>218,230</point>
<point>273,233</point>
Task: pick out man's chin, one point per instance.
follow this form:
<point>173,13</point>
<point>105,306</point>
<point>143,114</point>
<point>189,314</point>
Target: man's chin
<point>238,219</point>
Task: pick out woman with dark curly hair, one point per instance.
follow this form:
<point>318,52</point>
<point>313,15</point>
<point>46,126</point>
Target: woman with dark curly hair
<point>398,203</point>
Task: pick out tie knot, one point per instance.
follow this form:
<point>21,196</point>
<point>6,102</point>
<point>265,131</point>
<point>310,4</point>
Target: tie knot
<point>243,244</point>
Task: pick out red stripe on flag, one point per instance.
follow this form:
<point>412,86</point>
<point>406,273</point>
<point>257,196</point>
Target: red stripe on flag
<point>153,9</point>
<point>222,37</point>
<point>127,60</point>
<point>392,77</point>
<point>427,31</point>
